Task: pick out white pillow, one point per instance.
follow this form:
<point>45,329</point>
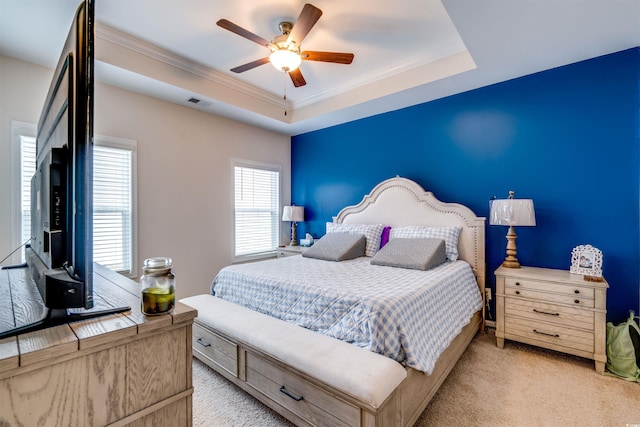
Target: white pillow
<point>448,234</point>
<point>372,232</point>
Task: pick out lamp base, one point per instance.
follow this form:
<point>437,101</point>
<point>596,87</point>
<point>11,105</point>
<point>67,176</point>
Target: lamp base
<point>294,235</point>
<point>511,261</point>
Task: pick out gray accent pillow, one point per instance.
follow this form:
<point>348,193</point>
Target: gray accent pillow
<point>417,254</point>
<point>337,247</point>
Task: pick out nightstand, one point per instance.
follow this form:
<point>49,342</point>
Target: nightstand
<point>553,309</point>
<point>290,250</point>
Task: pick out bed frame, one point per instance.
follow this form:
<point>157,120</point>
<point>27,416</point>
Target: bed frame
<point>260,365</point>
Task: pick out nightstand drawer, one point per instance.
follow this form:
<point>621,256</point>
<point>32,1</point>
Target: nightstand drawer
<point>283,251</point>
<point>559,288</point>
<point>549,333</point>
<point>557,314</point>
<point>578,301</point>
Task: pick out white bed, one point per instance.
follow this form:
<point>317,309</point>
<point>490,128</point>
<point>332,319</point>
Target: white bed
<point>350,385</point>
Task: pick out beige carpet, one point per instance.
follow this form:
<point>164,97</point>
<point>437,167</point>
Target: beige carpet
<point>519,385</point>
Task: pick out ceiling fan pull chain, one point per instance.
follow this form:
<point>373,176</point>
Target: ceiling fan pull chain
<point>284,87</point>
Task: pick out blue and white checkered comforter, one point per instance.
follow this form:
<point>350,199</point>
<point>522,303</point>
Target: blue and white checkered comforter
<point>408,315</point>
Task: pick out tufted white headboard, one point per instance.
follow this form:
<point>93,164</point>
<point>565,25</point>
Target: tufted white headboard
<point>399,202</point>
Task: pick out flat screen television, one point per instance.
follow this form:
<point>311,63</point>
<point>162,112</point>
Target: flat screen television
<point>60,254</point>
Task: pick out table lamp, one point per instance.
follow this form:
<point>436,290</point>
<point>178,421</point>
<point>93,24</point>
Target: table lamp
<point>293,214</point>
<point>512,212</point>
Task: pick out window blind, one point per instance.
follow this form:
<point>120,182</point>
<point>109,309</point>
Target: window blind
<point>112,208</point>
<point>256,207</point>
<point>113,194</point>
<point>27,170</point>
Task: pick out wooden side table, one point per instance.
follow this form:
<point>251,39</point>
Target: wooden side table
<point>290,250</point>
<point>553,309</point>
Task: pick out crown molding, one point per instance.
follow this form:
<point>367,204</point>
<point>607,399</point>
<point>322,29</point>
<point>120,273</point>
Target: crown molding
<point>413,70</point>
<point>130,42</point>
<point>411,63</point>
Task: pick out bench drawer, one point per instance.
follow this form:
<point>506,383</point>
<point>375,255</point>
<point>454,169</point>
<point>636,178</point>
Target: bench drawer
<point>309,401</point>
<point>215,348</point>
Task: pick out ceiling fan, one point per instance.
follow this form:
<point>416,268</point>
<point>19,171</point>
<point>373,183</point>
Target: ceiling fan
<point>285,48</point>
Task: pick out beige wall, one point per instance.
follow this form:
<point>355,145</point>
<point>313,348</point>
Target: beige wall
<point>184,169</point>
<point>23,88</point>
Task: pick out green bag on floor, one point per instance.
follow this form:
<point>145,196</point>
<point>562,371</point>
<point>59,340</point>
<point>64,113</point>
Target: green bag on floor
<point>623,349</point>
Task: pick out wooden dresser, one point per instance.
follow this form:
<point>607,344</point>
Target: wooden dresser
<point>116,370</point>
<point>552,309</point>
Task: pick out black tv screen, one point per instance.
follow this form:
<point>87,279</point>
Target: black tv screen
<point>60,256</point>
<point>61,211</point>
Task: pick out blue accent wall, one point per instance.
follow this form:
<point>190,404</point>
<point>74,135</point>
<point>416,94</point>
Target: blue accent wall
<point>568,138</point>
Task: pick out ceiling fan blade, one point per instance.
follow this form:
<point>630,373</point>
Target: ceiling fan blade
<point>336,57</point>
<point>228,25</point>
<point>296,78</point>
<point>307,19</point>
<point>250,65</point>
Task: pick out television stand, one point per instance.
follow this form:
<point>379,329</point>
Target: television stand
<point>57,317</point>
<point>124,369</point>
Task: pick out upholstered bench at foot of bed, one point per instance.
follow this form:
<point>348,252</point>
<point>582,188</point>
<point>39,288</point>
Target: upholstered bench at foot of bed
<point>358,375</point>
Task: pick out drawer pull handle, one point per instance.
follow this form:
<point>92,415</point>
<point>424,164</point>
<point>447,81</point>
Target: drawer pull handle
<point>577,291</point>
<point>577,301</point>
<point>294,396</point>
<point>517,283</point>
<point>549,335</point>
<point>203,342</point>
<point>517,292</point>
<point>545,312</point>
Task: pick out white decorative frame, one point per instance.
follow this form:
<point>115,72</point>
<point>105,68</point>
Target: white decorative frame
<point>587,260</point>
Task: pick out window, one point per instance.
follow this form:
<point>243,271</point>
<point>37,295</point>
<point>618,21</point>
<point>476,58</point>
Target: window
<point>256,208</point>
<point>114,183</point>
<point>23,167</point>
<point>27,170</point>
<point>113,204</point>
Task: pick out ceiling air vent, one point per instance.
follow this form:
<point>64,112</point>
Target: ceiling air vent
<point>198,102</point>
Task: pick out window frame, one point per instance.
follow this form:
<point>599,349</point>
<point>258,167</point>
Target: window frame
<point>130,145</point>
<point>23,129</point>
<point>272,167</point>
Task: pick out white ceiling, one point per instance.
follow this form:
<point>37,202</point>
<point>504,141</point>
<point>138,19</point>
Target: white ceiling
<point>406,51</point>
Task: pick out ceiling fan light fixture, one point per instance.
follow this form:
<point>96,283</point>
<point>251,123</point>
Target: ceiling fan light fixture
<point>286,54</point>
<point>285,60</point>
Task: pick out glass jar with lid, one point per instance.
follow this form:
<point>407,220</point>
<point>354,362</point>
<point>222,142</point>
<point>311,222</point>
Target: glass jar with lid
<point>158,286</point>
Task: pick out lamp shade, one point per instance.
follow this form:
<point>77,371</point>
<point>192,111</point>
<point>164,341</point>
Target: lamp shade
<point>293,213</point>
<point>512,212</point>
